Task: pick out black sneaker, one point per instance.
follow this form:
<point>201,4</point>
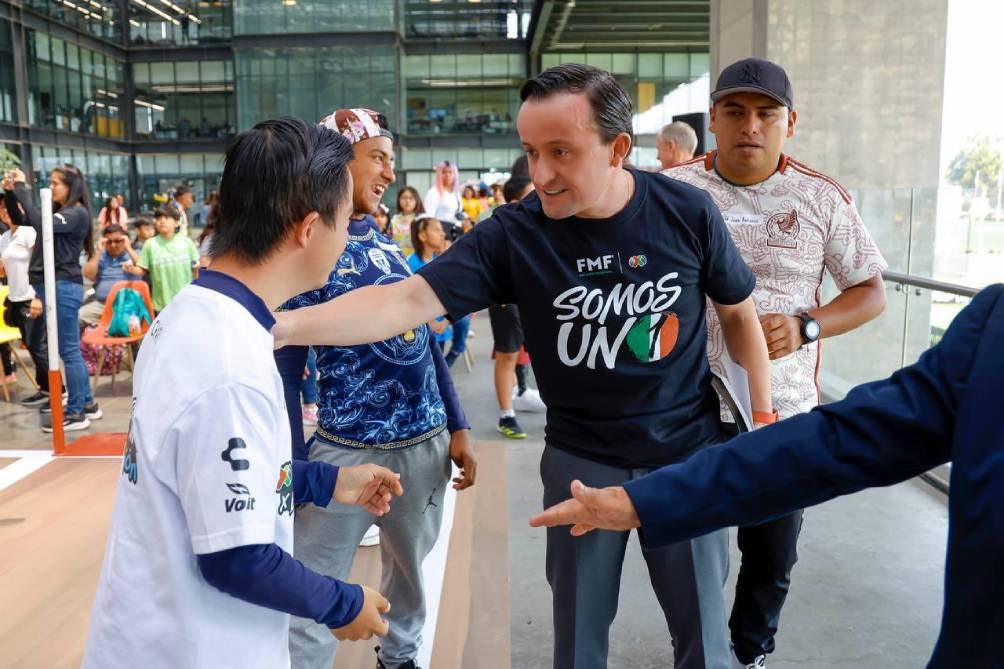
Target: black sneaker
<point>410,664</point>
<point>71,422</point>
<point>510,428</point>
<point>47,407</point>
<point>38,399</point>
<point>92,411</point>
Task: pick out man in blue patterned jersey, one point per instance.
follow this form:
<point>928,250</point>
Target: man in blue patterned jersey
<point>390,403</point>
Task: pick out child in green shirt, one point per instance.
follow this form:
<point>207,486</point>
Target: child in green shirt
<point>171,260</point>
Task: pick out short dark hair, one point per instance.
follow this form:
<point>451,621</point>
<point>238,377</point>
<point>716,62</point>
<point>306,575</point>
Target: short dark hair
<point>167,211</point>
<point>609,101</point>
<point>274,175</point>
<point>182,190</point>
<point>513,189</point>
<point>112,229</point>
<point>141,221</point>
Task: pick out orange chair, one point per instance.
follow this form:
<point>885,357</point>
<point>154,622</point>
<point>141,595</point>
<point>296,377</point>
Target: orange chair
<point>98,336</point>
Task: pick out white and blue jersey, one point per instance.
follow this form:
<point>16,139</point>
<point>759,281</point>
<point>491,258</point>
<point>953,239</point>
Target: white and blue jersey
<point>380,395</point>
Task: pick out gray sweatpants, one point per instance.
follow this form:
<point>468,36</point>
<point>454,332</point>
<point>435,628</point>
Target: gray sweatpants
<point>326,540</point>
<point>585,574</point>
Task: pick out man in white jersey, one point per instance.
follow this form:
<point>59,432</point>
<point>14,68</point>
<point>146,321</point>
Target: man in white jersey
<point>197,571</point>
<point>789,223</point>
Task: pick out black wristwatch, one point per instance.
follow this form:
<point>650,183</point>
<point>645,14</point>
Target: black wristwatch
<point>810,328</point>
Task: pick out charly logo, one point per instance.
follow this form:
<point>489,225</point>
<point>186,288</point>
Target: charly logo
<point>237,463</point>
<point>242,500</point>
<point>649,330</point>
<point>783,229</point>
<point>285,489</point>
<point>637,262</point>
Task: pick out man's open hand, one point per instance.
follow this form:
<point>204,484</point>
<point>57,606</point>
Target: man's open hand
<point>591,509</point>
<point>369,622</point>
<point>462,454</point>
<point>369,486</point>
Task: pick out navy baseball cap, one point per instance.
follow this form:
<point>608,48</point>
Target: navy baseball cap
<point>754,75</point>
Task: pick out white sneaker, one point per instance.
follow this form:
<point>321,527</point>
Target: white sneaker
<point>528,401</point>
<point>372,536</point>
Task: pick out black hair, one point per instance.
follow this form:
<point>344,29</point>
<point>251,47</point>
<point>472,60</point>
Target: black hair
<point>513,189</point>
<point>117,215</point>
<point>141,221</point>
<point>520,167</point>
<point>419,207</point>
<point>418,225</point>
<point>183,189</point>
<point>274,176</point>
<point>609,101</point>
<point>167,211</point>
<point>79,196</point>
<point>210,222</point>
<point>112,229</point>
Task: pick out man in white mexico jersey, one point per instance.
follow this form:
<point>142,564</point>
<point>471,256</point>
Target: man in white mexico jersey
<point>197,571</point>
<point>789,223</point>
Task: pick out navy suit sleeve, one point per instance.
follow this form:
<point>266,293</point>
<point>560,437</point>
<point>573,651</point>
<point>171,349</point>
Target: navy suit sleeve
<point>268,576</point>
<point>881,433</point>
<point>291,360</point>
<point>455,417</point>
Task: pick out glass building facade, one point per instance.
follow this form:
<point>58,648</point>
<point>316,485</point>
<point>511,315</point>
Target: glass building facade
<point>145,94</point>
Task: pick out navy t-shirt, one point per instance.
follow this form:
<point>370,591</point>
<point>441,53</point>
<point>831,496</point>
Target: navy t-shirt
<point>613,314</point>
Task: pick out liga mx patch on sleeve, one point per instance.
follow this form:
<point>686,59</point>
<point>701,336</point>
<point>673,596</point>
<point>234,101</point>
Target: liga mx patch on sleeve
<point>654,336</point>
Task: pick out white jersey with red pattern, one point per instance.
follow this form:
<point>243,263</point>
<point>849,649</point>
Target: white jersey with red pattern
<point>788,228</point>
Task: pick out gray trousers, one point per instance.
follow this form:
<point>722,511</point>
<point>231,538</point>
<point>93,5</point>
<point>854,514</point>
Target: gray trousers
<point>326,541</point>
<point>585,574</point>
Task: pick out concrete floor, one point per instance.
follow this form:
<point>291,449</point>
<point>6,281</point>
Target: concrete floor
<point>866,593</point>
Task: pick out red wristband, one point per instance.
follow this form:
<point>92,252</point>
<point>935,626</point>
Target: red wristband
<point>765,418</point>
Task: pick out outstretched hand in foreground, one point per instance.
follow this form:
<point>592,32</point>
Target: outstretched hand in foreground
<point>591,509</point>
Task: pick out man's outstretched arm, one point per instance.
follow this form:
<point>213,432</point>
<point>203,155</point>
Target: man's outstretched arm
<point>368,314</point>
<point>882,433</point>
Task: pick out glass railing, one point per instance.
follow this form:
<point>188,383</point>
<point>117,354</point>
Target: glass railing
<point>942,245</point>
<point>917,313</point>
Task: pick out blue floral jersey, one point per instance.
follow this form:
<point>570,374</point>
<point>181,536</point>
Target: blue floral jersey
<point>381,395</point>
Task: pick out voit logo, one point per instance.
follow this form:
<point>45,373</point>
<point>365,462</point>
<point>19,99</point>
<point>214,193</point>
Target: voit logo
<point>653,337</point>
<point>242,500</point>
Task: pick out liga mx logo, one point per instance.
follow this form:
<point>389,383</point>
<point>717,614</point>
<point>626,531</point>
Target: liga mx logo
<point>637,262</point>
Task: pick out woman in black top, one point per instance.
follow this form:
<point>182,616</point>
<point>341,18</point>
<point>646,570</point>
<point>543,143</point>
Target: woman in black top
<point>72,233</point>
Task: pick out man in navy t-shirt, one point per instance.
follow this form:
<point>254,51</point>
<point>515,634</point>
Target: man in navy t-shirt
<point>610,269</point>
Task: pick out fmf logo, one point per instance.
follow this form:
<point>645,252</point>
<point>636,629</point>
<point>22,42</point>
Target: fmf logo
<point>599,265</point>
<point>636,262</point>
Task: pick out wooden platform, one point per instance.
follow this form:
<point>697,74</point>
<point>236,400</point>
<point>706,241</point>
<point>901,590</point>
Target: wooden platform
<point>53,526</point>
